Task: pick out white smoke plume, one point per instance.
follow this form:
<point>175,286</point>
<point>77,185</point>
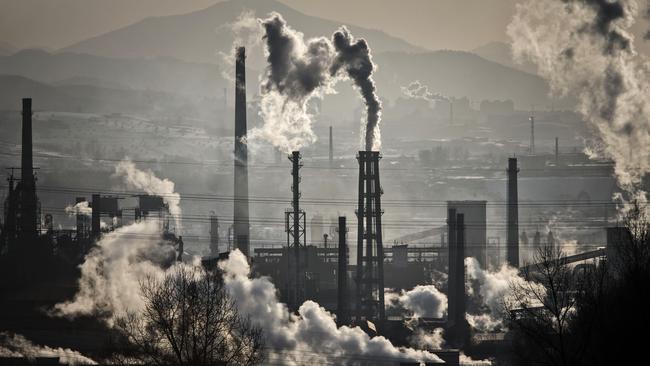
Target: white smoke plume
<point>81,208</point>
<point>311,336</point>
<point>468,361</point>
<point>246,32</point>
<point>299,71</point>
<point>417,90</point>
<point>16,345</point>
<point>428,340</point>
<point>146,180</point>
<point>423,301</point>
<point>110,275</point>
<point>296,73</point>
<point>584,48</point>
<point>495,292</point>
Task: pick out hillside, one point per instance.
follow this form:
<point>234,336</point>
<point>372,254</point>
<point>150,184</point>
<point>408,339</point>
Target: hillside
<point>200,35</point>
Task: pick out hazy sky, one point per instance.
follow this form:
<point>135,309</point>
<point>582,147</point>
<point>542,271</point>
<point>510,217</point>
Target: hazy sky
<point>456,24</point>
<point>433,24</point>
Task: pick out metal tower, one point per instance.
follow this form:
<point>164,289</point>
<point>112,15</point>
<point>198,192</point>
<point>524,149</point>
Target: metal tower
<point>295,226</point>
<point>370,251</point>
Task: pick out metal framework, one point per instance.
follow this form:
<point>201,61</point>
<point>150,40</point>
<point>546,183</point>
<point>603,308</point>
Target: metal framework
<point>295,223</point>
<point>370,250</point>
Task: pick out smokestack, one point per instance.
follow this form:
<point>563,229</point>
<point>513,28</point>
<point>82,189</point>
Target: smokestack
<point>28,200</point>
<point>95,218</point>
<point>331,148</point>
<point>370,264</point>
<point>452,272</point>
<point>81,220</point>
<point>295,231</point>
<point>557,152</point>
<point>240,219</point>
<point>512,235</point>
<point>27,167</point>
<point>342,314</point>
<point>532,134</point>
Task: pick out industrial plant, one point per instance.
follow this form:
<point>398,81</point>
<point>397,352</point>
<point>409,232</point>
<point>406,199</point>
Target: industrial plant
<point>447,228</point>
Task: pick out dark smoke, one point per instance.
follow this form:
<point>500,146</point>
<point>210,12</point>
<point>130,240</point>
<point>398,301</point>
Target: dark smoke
<point>354,57</point>
<point>291,72</point>
<point>299,70</point>
<point>607,12</point>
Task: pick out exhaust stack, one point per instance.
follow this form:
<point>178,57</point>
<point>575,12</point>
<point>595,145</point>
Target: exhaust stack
<point>240,214</point>
<point>512,236</point>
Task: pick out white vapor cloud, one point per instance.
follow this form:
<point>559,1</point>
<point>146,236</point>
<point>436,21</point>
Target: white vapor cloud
<point>147,181</point>
<point>585,49</point>
<point>81,208</point>
<point>16,345</point>
<point>311,336</point>
<point>423,301</point>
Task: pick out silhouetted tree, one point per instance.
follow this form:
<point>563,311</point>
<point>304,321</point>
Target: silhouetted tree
<point>189,319</point>
<point>590,315</point>
<point>540,310</point>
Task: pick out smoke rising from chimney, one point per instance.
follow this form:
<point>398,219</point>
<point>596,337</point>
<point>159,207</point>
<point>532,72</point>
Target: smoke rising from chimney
<point>424,301</point>
<point>355,59</point>
<point>299,71</point>
<point>81,208</point>
<point>417,90</point>
<point>584,49</point>
<point>147,181</point>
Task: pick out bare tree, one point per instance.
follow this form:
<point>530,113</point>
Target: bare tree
<point>189,319</point>
<point>541,308</point>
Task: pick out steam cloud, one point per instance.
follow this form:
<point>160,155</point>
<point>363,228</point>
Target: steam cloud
<point>312,336</point>
<point>299,71</point>
<point>584,48</point>
<point>146,180</point>
<point>417,90</point>
<point>15,345</point>
<point>424,301</point>
<point>494,291</point>
<point>81,208</point>
<point>110,274</point>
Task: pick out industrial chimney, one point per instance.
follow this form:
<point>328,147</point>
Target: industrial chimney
<point>370,250</point>
<point>512,235</point>
<point>28,200</point>
<point>342,314</point>
<point>240,214</point>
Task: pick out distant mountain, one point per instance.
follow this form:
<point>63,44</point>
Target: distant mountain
<point>93,99</point>
<point>6,49</point>
<point>200,35</point>
<point>501,53</point>
<point>461,74</point>
<point>451,73</point>
<point>158,74</point>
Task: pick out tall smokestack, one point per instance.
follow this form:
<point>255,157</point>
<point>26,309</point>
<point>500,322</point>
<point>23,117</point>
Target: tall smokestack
<point>27,181</point>
<point>452,272</point>
<point>240,215</point>
<point>295,226</point>
<point>512,236</point>
<point>557,152</point>
<point>331,148</point>
<point>532,134</point>
<point>342,314</point>
<point>370,250</point>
